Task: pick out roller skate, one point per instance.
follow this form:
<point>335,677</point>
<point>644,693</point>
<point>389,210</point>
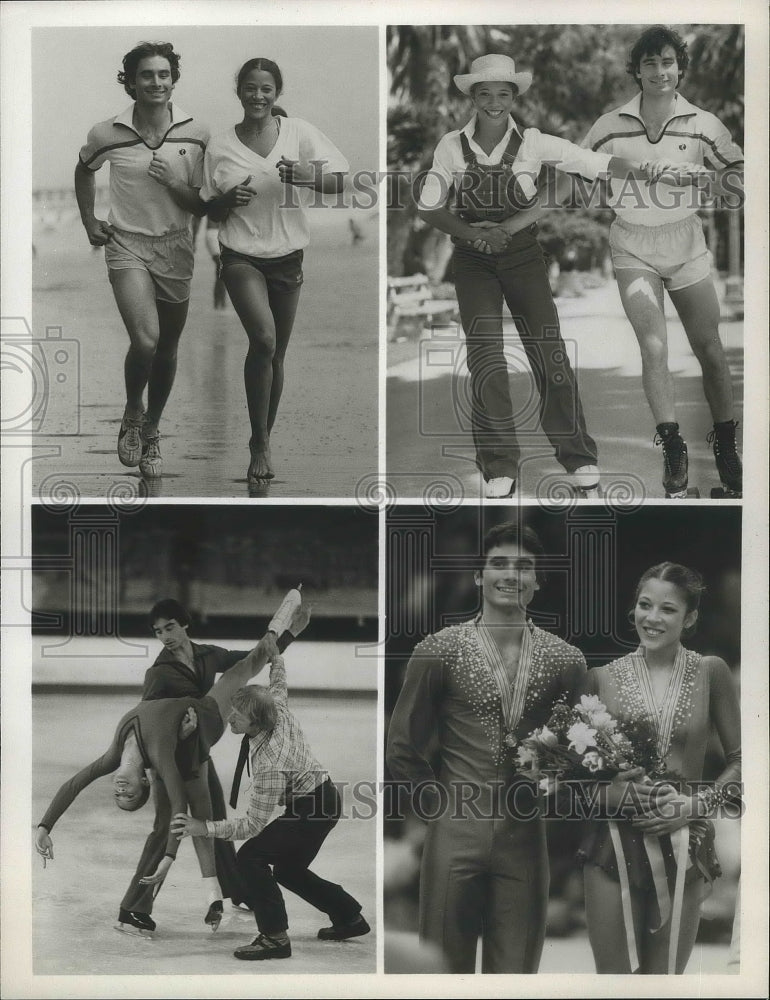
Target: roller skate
<point>585,482</point>
<point>138,924</point>
<point>214,915</point>
<point>674,463</point>
<point>722,440</point>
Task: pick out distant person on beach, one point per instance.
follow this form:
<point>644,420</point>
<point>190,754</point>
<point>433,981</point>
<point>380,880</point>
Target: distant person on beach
<point>252,171</point>
<point>212,245</point>
<point>155,152</point>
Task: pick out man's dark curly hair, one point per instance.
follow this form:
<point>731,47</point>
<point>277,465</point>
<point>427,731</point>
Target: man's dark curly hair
<point>651,43</point>
<point>144,50</point>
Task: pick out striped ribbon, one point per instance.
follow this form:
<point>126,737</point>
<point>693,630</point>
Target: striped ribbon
<point>680,841</point>
<point>512,695</point>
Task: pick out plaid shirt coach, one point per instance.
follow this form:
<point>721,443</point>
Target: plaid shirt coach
<point>282,767</point>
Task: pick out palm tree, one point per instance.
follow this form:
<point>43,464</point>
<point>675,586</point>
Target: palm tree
<point>423,105</point>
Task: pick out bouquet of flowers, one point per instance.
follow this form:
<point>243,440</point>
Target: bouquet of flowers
<point>585,742</point>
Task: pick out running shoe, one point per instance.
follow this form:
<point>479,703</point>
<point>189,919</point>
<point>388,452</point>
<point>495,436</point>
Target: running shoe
<point>130,440</point>
<point>151,464</point>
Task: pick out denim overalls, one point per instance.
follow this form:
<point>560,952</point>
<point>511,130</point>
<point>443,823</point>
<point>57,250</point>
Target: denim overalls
<point>518,275</point>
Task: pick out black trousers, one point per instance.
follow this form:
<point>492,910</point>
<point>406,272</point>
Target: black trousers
<point>517,276</point>
<point>140,897</point>
<point>280,855</point>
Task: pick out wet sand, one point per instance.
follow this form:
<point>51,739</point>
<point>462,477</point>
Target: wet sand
<point>75,899</point>
<point>325,437</point>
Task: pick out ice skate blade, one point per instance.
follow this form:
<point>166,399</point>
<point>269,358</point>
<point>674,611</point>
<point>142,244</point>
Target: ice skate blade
<point>214,915</point>
<point>139,932</point>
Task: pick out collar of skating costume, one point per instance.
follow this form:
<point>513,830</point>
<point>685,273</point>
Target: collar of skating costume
<point>481,681</point>
<point>489,192</point>
<point>636,698</point>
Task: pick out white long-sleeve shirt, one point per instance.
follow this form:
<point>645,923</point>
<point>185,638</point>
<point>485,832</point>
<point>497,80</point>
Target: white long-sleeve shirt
<point>537,148</point>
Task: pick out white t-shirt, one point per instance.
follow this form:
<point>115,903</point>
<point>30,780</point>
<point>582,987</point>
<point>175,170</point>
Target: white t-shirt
<point>537,148</point>
<point>274,222</point>
<point>691,135</point>
<point>139,204</point>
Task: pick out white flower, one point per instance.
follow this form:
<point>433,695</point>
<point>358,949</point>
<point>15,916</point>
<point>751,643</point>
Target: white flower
<point>547,738</point>
<point>526,756</point>
<point>602,720</point>
<point>595,712</point>
<point>581,737</point>
<point>590,703</point>
<point>593,761</point>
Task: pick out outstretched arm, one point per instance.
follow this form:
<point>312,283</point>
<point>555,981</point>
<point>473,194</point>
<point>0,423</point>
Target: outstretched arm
<point>67,794</point>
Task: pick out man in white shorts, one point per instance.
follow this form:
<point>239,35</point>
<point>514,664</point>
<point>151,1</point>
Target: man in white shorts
<point>155,152</point>
<point>657,242</point>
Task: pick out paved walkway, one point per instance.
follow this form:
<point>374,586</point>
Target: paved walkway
<point>429,447</point>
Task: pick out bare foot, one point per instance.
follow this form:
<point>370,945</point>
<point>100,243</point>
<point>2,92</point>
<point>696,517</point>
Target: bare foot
<point>261,466</point>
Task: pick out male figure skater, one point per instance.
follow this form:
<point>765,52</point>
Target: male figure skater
<point>477,687</point>
<point>184,669</point>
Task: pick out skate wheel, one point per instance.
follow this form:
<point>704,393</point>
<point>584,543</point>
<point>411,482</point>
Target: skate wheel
<point>693,493</point>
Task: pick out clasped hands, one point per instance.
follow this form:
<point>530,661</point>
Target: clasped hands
<point>675,173</point>
<point>660,807</point>
<point>494,240</point>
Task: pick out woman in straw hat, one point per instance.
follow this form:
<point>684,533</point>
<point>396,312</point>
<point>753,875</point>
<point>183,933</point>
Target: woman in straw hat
<point>489,169</point>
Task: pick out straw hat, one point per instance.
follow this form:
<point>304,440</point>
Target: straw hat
<point>493,69</point>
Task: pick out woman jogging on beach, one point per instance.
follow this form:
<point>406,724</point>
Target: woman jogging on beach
<point>645,877</point>
<point>259,176</point>
<point>155,152</point>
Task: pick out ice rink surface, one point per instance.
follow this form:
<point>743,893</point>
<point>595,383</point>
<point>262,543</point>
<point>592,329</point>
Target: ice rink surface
<point>75,898</point>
